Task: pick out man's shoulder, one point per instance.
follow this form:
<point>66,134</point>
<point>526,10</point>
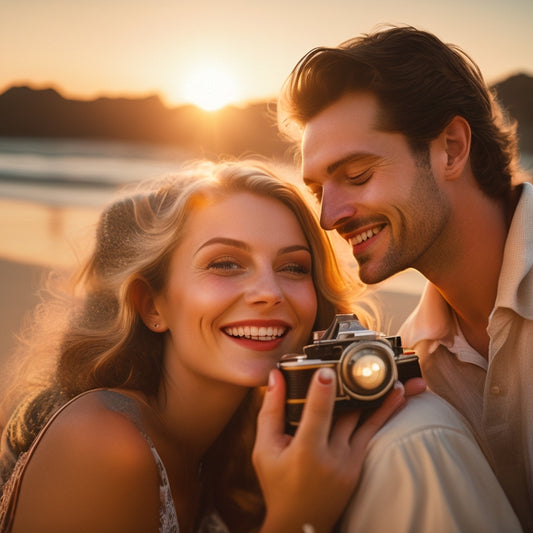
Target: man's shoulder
<point>424,416</point>
<point>427,468</point>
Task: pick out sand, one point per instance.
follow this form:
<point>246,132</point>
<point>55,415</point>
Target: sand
<point>35,238</point>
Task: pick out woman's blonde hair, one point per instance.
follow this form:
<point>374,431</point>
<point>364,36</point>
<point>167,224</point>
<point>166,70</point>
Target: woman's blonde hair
<point>100,339</point>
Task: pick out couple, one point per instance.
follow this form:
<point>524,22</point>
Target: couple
<point>181,313</point>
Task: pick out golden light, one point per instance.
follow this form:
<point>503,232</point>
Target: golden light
<point>210,87</point>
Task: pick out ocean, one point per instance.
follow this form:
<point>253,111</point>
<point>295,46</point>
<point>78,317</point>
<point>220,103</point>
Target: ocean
<point>76,172</point>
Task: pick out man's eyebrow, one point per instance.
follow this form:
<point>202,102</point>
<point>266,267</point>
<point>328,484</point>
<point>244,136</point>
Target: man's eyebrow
<point>224,240</point>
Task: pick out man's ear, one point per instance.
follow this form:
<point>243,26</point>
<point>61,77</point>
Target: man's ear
<point>456,138</point>
<point>144,302</point>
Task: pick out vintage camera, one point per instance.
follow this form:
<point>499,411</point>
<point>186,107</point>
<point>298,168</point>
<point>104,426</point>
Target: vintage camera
<point>367,364</point>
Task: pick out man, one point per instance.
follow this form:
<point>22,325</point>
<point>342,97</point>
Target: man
<point>414,165</point>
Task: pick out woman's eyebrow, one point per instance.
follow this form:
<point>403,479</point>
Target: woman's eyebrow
<point>225,240</point>
<point>294,248</point>
<point>244,246</point>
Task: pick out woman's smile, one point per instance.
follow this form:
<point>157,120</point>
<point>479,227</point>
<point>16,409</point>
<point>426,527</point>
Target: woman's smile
<point>258,334</point>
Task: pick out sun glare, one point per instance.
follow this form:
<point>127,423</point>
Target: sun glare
<point>210,88</point>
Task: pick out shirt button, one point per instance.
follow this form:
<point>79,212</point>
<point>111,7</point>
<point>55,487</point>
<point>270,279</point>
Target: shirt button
<point>495,390</point>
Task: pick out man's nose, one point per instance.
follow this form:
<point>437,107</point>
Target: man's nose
<point>335,207</point>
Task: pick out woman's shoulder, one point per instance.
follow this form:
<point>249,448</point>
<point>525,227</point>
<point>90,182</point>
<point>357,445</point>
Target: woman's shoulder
<point>101,406</point>
<point>93,451</point>
<point>103,427</point>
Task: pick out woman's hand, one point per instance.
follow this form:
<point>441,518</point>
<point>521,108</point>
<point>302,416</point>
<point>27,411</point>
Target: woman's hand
<point>307,479</point>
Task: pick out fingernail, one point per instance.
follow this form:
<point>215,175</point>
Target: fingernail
<point>399,392</point>
<point>399,386</point>
<point>326,375</point>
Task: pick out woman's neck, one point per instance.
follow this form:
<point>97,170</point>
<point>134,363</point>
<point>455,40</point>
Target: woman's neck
<point>191,416</point>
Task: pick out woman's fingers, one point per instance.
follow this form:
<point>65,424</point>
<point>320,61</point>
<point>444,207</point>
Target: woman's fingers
<point>309,478</point>
<point>317,414</point>
<point>343,428</point>
<point>414,386</point>
<point>271,418</point>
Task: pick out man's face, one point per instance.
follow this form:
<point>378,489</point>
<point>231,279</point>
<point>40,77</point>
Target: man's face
<point>383,199</point>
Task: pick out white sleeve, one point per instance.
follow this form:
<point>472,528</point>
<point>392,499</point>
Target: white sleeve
<point>424,472</point>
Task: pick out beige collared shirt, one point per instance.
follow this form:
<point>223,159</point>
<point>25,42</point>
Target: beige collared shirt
<point>425,473</point>
<point>496,394</point>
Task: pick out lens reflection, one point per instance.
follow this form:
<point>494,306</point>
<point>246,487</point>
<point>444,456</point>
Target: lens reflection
<point>369,371</point>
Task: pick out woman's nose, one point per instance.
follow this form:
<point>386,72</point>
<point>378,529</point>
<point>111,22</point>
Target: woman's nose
<point>264,289</point>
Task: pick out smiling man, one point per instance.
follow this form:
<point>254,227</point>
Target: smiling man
<point>414,165</point>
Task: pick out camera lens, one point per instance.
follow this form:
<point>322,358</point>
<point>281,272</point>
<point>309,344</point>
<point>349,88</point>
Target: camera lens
<point>367,369</point>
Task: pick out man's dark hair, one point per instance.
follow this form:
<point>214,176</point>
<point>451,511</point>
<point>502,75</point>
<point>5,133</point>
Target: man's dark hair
<point>421,83</point>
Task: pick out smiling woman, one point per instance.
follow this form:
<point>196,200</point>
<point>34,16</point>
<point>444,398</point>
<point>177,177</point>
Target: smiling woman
<point>210,87</point>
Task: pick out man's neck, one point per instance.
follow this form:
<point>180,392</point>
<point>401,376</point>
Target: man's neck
<point>468,279</point>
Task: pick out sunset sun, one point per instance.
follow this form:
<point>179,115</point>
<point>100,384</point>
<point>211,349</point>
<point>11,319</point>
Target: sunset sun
<point>210,87</point>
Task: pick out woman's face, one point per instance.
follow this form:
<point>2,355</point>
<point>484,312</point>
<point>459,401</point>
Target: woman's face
<point>239,293</point>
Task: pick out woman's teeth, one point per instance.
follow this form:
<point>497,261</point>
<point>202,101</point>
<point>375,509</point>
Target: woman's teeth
<point>261,333</point>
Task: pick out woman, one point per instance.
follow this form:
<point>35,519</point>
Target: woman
<point>196,286</point>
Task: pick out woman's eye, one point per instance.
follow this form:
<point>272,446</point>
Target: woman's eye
<point>296,269</point>
<point>224,265</point>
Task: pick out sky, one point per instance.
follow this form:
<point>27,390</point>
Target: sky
<point>91,48</point>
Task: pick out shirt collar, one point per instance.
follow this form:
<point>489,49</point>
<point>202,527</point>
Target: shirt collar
<point>431,320</point>
<point>515,286</point>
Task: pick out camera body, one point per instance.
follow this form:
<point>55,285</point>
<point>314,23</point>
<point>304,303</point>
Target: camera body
<point>367,364</point>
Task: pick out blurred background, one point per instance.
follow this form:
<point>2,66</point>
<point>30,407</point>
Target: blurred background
<point>97,94</point>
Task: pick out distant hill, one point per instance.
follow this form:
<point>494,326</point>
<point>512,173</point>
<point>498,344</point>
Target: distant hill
<point>233,130</point>
<point>516,95</point>
<point>236,131</point>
